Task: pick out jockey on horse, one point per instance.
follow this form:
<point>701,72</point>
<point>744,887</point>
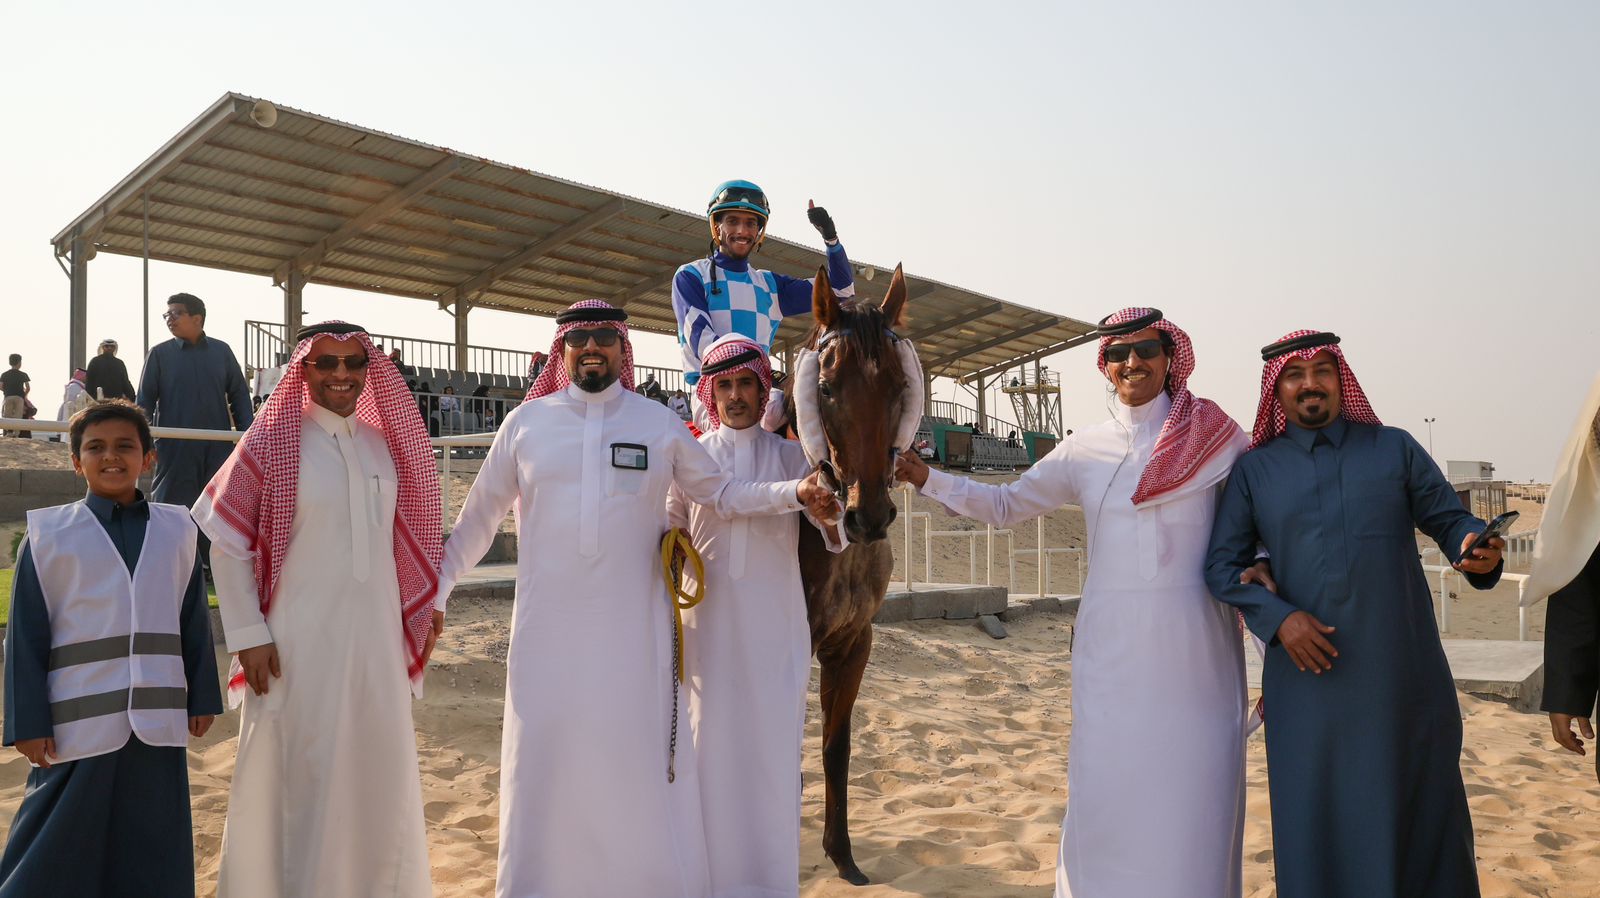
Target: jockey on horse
<point>724,294</point>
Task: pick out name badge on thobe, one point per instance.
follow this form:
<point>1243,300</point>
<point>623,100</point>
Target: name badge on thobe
<point>631,456</point>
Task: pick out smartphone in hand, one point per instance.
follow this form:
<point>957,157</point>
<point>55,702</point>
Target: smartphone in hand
<point>1497,527</point>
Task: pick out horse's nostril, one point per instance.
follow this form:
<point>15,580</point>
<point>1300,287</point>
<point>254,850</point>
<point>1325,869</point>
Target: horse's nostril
<point>893,513</point>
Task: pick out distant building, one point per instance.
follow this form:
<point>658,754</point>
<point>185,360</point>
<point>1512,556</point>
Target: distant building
<point>1468,471</point>
<point>1476,487</point>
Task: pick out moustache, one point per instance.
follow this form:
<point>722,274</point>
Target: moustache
<point>1311,394</point>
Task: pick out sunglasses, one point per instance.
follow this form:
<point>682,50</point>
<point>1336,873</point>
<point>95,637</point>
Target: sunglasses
<point>330,363</point>
<point>602,336</point>
<point>1118,353</point>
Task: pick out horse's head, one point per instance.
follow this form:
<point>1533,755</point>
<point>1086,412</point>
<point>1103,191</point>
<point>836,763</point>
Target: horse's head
<point>861,394</point>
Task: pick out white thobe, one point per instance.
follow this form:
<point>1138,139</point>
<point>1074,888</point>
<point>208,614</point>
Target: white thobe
<point>1155,769</point>
<point>585,807</point>
<point>326,796</point>
<point>749,663</point>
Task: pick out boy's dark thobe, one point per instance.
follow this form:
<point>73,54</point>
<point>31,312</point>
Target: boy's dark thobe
<point>116,824</point>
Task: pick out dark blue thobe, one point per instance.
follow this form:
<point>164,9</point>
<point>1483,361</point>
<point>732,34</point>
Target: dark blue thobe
<point>118,823</point>
<point>192,385</point>
<point>1363,760</point>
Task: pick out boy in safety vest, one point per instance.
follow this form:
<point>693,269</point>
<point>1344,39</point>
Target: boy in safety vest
<point>108,672</point>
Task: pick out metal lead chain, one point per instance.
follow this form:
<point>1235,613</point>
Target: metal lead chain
<point>672,740</point>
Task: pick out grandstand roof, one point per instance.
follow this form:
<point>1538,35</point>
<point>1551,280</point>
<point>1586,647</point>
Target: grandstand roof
<point>351,207</point>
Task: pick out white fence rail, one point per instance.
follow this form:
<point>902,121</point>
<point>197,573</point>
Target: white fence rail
<point>988,535</point>
<point>233,436</point>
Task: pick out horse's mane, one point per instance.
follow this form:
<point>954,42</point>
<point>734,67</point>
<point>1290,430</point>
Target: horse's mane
<point>861,332</point>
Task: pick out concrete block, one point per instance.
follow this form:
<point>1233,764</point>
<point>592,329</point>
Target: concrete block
<point>10,482</point>
<point>991,625</point>
<point>1044,604</point>
<point>989,599</point>
<point>55,482</point>
<point>15,507</point>
<point>960,605</point>
<point>1017,611</point>
<point>896,608</point>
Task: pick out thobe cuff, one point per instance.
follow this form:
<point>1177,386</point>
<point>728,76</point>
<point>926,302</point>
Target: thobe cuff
<point>940,485</point>
<point>248,637</point>
<point>1265,620</point>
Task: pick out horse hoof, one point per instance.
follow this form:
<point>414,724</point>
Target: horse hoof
<point>853,875</point>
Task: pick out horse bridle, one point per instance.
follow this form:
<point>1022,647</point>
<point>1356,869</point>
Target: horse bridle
<point>821,456</point>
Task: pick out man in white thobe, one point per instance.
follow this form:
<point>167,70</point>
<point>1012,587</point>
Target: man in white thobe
<point>1155,770</point>
<point>750,645</point>
<point>598,795</point>
<point>326,541</point>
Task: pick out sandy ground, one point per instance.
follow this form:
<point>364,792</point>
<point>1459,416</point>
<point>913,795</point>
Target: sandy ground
<point>959,777</point>
<point>34,454</point>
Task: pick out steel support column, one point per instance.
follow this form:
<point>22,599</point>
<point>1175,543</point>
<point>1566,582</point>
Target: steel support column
<point>293,285</point>
<point>983,421</point>
<point>78,306</point>
<point>460,311</point>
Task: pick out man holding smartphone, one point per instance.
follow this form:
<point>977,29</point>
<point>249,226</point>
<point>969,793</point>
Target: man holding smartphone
<point>1363,727</point>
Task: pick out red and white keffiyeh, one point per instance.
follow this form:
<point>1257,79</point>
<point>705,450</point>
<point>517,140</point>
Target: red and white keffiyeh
<point>720,353</point>
<point>554,378</point>
<point>1195,430</point>
<point>255,491</point>
<point>1270,419</point>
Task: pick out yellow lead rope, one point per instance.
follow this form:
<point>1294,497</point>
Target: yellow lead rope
<point>672,571</point>
<point>677,538</point>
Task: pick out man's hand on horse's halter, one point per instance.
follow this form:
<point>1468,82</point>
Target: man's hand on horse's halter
<point>817,498</point>
<point>910,468</point>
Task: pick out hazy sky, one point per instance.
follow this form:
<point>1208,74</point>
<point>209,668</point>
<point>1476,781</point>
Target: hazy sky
<point>1420,177</point>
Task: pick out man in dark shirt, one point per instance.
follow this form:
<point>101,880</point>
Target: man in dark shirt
<point>194,381</point>
<point>108,376</point>
<point>14,385</point>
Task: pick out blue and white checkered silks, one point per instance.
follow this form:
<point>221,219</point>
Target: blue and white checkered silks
<point>747,301</point>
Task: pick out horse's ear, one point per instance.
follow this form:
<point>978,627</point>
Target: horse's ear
<point>894,304</point>
<point>824,305</point>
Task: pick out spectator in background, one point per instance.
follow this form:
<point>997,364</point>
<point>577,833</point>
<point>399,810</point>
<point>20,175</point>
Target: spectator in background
<point>484,408</point>
<point>450,411</point>
<point>14,384</point>
<point>405,370</point>
<point>427,405</point>
<point>74,399</point>
<point>536,366</point>
<point>108,376</point>
<point>679,404</point>
<point>193,381</point>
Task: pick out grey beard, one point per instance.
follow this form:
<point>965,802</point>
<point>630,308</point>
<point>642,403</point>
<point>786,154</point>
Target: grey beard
<point>597,383</point>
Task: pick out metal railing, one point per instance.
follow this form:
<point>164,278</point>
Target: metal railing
<point>1519,549</point>
<point>964,415</point>
<point>234,436</point>
<point>265,346</point>
<point>988,534</point>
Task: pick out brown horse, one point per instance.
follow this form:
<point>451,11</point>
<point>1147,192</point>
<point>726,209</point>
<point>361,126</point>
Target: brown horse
<point>860,395</point>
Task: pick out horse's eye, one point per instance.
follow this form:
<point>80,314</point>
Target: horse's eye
<point>824,389</point>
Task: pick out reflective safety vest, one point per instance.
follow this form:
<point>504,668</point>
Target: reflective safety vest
<point>116,649</point>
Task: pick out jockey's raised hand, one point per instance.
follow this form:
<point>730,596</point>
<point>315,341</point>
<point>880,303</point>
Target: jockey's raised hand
<point>822,221</point>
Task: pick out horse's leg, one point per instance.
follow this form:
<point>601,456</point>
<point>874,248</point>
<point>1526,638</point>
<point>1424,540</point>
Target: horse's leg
<point>842,667</point>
